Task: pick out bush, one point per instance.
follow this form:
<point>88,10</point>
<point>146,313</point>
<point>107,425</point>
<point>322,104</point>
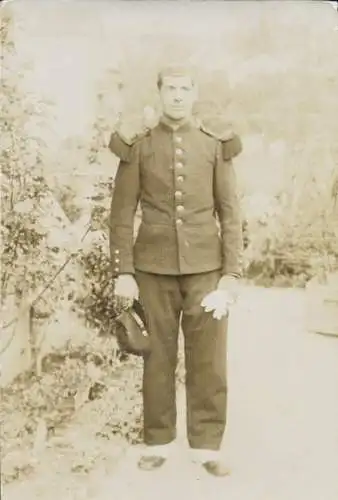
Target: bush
<point>97,297</point>
<point>291,248</point>
<point>84,386</point>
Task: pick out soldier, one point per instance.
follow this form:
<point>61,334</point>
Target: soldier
<point>184,265</point>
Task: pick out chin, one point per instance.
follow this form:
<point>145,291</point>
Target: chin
<point>177,116</point>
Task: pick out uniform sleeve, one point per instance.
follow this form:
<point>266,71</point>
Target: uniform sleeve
<point>122,212</point>
<point>227,207</point>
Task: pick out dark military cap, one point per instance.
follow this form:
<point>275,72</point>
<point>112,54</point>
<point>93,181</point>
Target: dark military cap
<point>131,330</point>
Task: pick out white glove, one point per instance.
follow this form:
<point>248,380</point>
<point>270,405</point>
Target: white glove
<point>230,284</point>
<point>126,288</point>
<point>221,299</point>
<point>219,302</point>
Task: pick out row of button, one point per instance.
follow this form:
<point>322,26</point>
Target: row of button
<point>178,194</point>
<point>117,261</point>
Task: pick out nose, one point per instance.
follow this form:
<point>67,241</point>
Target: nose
<point>178,96</point>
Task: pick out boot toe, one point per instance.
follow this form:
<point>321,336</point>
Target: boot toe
<point>216,468</point>
<point>149,463</point>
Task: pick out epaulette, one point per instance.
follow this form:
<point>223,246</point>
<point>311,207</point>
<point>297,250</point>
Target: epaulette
<point>232,147</point>
<point>224,134</point>
<point>231,142</point>
<point>121,146</point>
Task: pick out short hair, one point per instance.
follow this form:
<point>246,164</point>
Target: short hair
<point>175,70</point>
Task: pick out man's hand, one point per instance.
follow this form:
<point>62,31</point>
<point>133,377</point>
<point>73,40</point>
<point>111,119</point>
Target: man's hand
<point>220,300</point>
<point>126,289</point>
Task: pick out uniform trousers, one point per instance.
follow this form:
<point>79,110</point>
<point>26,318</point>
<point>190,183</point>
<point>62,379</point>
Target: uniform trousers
<point>167,301</point>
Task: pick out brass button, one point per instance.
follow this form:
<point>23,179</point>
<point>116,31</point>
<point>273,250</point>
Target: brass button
<point>117,251</point>
<point>180,178</point>
<point>179,222</point>
<point>178,194</point>
<point>178,151</point>
<point>117,260</point>
<point>178,139</point>
<point>179,165</point>
<point>117,269</point>
<point>180,208</point>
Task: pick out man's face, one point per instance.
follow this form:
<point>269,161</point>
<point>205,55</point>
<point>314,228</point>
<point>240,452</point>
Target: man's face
<point>178,95</point>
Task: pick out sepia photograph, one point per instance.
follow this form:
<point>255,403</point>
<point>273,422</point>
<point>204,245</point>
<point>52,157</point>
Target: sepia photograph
<point>169,249</point>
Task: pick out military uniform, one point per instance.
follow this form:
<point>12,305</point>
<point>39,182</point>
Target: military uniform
<point>190,235</point>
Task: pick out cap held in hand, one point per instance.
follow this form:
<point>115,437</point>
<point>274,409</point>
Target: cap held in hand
<point>131,331</point>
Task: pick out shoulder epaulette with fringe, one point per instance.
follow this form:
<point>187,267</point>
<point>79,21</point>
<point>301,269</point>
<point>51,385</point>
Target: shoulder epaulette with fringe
<point>231,142</point>
<point>232,147</point>
<point>122,146</point>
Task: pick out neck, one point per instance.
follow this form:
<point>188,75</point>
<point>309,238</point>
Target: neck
<point>175,124</point>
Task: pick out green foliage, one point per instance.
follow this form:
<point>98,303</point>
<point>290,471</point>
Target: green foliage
<point>66,196</point>
<point>97,298</point>
<point>23,185</point>
<point>291,248</point>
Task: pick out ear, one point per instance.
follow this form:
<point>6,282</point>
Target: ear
<point>195,92</point>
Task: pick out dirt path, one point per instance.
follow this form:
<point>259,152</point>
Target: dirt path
<point>282,438</point>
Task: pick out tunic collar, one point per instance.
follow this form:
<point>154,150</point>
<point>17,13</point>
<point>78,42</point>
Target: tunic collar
<point>184,127</point>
